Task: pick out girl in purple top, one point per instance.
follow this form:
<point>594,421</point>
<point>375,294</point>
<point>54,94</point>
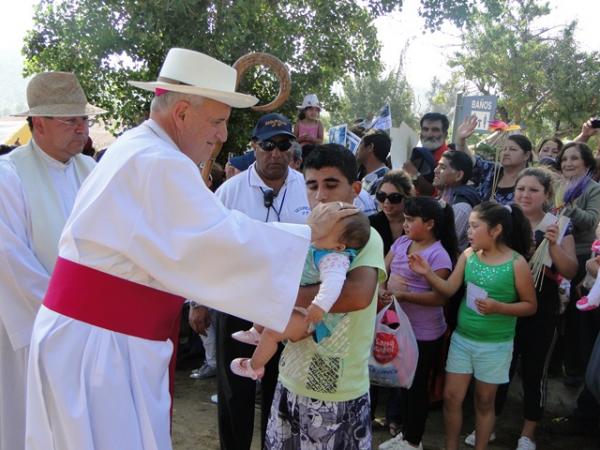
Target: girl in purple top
<point>429,231</point>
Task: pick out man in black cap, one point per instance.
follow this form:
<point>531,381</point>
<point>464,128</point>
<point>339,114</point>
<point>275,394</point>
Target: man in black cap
<point>271,192</point>
<point>238,164</point>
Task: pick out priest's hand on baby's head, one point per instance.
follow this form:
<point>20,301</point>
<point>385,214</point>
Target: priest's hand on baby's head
<point>324,216</point>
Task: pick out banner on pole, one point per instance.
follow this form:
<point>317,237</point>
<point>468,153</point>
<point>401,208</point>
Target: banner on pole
<point>383,120</point>
<point>337,134</point>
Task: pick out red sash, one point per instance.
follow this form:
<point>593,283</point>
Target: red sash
<point>110,302</point>
<point>116,304</point>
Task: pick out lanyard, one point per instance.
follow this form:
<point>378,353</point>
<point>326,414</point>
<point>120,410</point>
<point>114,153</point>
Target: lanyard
<point>272,205</point>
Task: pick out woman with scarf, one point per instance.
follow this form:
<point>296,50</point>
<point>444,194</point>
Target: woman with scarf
<point>581,203</point>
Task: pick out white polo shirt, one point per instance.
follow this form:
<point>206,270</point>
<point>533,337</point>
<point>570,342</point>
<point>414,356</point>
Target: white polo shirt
<point>245,192</point>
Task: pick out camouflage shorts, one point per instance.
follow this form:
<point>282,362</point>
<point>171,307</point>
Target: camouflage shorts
<point>301,423</point>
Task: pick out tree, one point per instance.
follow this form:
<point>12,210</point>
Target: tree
<point>457,12</point>
<point>107,42</point>
<point>441,97</point>
<point>542,78</point>
<point>573,85</point>
<point>364,96</point>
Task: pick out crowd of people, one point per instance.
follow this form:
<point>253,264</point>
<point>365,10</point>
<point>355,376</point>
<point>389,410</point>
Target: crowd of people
<point>524,195</point>
<point>284,257</point>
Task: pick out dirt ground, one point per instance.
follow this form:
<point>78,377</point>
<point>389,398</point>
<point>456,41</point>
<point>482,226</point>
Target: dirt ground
<point>195,420</point>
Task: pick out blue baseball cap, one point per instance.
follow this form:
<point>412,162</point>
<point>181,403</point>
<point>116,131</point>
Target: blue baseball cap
<point>272,124</point>
<point>242,162</point>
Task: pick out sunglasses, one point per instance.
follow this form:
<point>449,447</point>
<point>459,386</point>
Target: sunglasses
<point>394,198</point>
<point>269,146</point>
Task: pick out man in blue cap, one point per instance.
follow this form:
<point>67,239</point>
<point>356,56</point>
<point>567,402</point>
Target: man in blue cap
<point>268,191</point>
<point>239,163</point>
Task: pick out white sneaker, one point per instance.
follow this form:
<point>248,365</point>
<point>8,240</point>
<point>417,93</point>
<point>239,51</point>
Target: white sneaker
<point>470,439</point>
<point>400,444</point>
<point>214,399</point>
<point>392,443</point>
<point>525,443</point>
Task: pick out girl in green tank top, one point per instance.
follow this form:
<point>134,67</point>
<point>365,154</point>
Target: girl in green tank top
<point>499,236</point>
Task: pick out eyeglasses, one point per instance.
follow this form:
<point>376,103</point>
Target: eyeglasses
<point>76,121</point>
<point>269,146</point>
<point>394,198</point>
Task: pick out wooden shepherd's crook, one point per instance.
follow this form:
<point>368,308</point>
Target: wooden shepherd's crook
<point>285,87</point>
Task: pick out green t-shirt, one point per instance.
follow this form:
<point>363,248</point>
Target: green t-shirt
<point>499,282</point>
<point>337,369</point>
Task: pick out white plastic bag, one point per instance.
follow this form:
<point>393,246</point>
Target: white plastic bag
<point>394,355</point>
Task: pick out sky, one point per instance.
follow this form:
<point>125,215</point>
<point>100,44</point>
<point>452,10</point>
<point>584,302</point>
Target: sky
<point>425,57</point>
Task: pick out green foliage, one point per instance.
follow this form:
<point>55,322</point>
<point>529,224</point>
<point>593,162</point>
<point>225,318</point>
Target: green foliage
<point>107,42</point>
<point>441,97</point>
<point>364,96</point>
<point>458,12</point>
<point>543,80</point>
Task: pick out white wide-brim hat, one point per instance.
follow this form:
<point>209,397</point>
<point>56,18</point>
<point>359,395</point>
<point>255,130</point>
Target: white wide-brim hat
<point>57,94</point>
<point>310,101</point>
<point>195,73</point>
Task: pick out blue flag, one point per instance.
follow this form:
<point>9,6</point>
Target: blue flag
<point>337,134</point>
<point>352,141</point>
<point>383,121</point>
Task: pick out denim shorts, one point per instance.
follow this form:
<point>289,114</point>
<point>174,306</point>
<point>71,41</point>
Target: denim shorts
<point>487,361</point>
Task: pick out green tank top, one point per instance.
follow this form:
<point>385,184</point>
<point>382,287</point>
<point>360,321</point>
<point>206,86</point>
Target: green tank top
<point>499,283</point>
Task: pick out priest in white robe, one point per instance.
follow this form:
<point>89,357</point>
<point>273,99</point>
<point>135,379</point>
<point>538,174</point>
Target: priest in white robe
<point>38,184</point>
<point>145,233</point>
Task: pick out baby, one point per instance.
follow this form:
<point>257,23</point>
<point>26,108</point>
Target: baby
<point>327,262</point>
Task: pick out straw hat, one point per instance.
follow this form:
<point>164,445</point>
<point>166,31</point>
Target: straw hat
<point>310,101</point>
<point>57,94</point>
<point>195,73</point>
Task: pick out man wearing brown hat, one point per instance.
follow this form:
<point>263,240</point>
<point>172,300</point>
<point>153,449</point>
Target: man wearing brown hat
<point>98,373</point>
<point>38,184</point>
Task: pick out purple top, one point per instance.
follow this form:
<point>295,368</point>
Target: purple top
<point>427,321</point>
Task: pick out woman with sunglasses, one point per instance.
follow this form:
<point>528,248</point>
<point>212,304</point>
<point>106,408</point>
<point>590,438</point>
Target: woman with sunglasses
<point>389,221</point>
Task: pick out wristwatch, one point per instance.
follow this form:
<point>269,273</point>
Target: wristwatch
<point>415,177</point>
